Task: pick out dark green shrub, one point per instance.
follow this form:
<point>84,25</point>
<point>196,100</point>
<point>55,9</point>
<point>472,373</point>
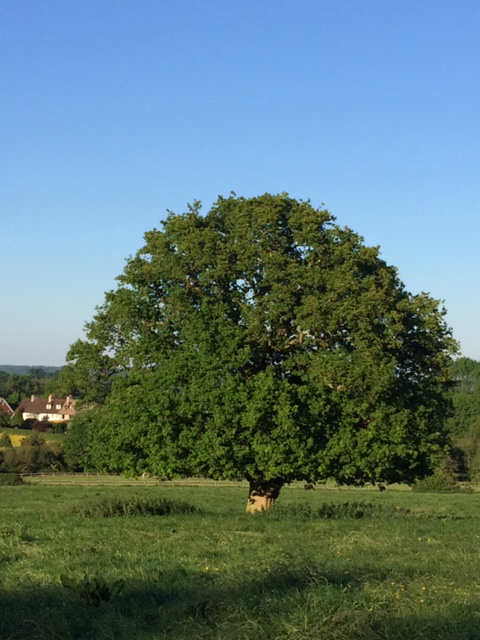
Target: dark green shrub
<point>443,480</point>
<point>33,440</point>
<point>339,510</point>
<point>5,441</point>
<point>17,420</point>
<point>439,483</point>
<point>41,426</point>
<point>468,446</point>
<point>58,427</point>
<point>33,455</point>
<point>77,441</point>
<point>359,510</point>
<point>4,419</point>
<point>10,480</point>
<point>114,507</point>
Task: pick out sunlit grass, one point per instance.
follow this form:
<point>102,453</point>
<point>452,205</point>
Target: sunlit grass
<point>220,573</point>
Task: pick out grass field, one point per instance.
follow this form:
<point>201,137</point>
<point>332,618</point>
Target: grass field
<point>408,570</point>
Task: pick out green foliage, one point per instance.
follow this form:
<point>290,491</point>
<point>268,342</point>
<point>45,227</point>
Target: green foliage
<point>136,506</point>
<point>10,479</point>
<point>92,591</point>
<point>58,427</point>
<point>443,480</point>
<point>5,441</point>
<point>64,384</point>
<point>17,420</point>
<point>15,387</point>
<point>264,341</point>
<point>466,397</point>
<point>4,419</point>
<point>464,424</point>
<point>33,455</point>
<point>33,440</point>
<point>77,441</point>
<point>468,446</point>
<point>437,483</point>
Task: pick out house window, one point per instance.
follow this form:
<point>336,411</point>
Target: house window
<point>49,406</point>
<point>59,406</point>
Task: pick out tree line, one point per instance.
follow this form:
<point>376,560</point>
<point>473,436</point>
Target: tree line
<point>35,381</point>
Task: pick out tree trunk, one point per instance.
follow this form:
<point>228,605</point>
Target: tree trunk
<point>262,494</point>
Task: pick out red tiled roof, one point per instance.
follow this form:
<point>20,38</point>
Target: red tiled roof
<point>4,406</point>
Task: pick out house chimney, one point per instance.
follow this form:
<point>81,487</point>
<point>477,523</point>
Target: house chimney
<point>50,398</point>
<point>32,398</point>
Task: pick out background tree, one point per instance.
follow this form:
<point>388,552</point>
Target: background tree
<point>466,396</point>
<point>5,442</point>
<point>77,452</point>
<point>4,419</point>
<point>17,420</point>
<point>14,387</point>
<point>263,341</point>
<point>464,424</point>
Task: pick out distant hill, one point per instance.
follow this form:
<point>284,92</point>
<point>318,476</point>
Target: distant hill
<point>23,369</point>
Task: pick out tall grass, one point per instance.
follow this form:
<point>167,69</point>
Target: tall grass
<point>130,506</point>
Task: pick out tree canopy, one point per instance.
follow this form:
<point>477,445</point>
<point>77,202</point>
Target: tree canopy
<point>37,381</point>
<point>466,397</point>
<point>264,341</point>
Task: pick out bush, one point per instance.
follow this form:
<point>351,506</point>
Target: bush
<point>468,446</point>
<point>41,426</point>
<point>34,440</point>
<point>4,419</point>
<point>443,480</point>
<point>5,441</point>
<point>114,507</point>
<point>77,441</point>
<point>339,510</point>
<point>58,427</point>
<point>438,483</point>
<point>17,420</point>
<point>33,455</point>
<point>10,479</point>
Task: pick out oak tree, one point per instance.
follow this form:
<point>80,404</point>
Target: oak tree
<point>263,341</point>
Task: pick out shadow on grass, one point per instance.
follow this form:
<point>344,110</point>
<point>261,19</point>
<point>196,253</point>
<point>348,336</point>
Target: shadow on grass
<point>185,604</point>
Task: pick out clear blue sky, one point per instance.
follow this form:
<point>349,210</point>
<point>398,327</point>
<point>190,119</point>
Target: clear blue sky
<point>112,112</point>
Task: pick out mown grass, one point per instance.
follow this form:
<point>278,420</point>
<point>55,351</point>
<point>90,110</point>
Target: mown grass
<point>407,568</point>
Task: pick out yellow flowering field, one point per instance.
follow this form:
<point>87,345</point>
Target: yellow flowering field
<point>17,440</point>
